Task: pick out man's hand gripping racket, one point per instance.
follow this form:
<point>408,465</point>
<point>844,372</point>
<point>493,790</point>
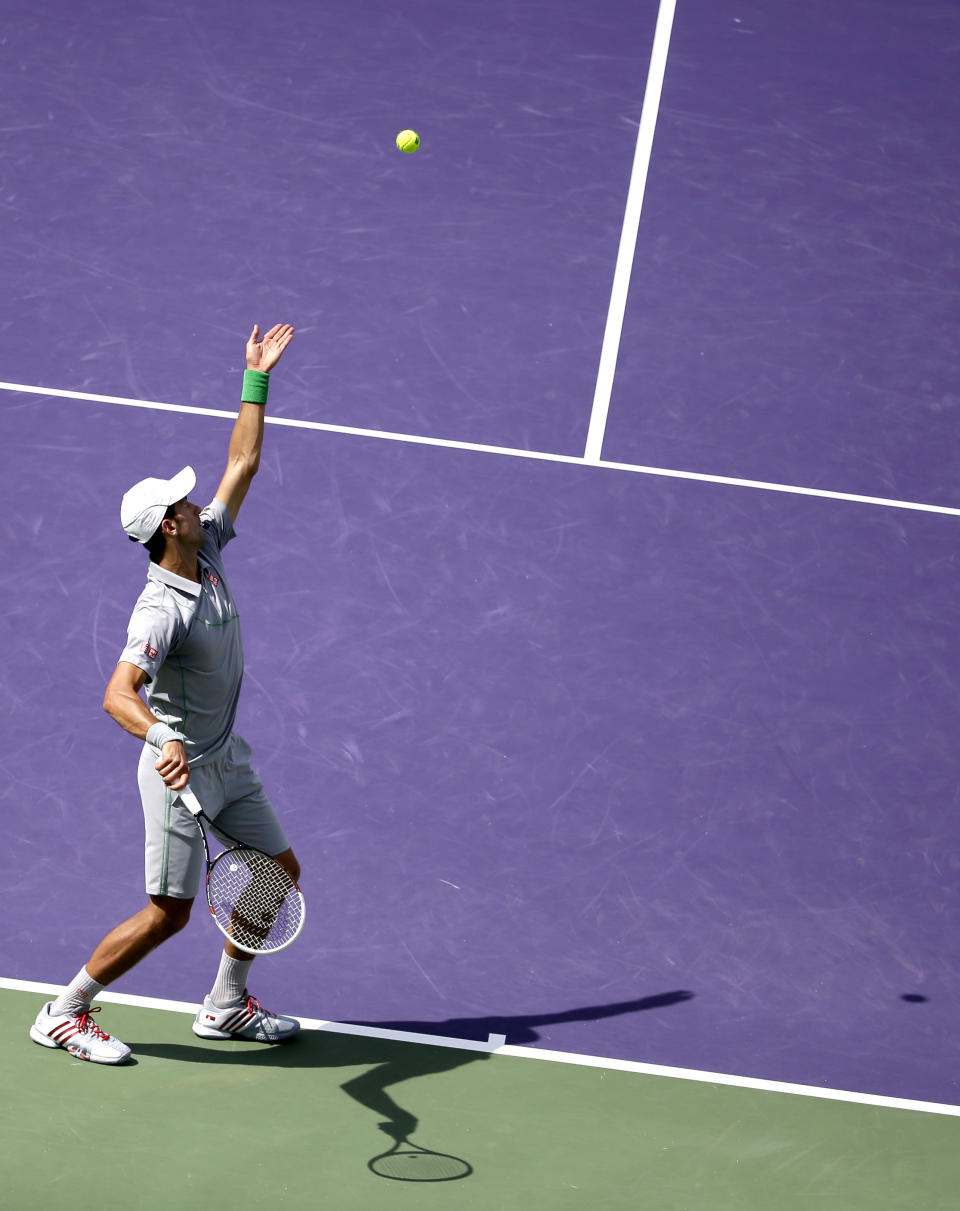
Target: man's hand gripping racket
<point>253,900</point>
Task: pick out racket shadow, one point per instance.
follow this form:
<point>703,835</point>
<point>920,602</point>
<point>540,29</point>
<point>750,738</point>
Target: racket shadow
<point>410,1162</point>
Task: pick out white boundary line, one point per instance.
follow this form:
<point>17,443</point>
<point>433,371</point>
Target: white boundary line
<point>495,1045</point>
<point>631,227</point>
<point>475,447</point>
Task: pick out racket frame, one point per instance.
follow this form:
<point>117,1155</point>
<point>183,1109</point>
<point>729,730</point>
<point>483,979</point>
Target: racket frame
<point>192,804</point>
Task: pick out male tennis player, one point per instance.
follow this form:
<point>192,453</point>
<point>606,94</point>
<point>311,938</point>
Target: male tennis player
<point>183,645</point>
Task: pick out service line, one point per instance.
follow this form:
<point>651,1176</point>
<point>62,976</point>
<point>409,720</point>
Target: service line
<point>477,447</point>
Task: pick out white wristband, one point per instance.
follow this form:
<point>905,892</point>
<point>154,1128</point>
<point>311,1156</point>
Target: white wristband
<point>159,735</point>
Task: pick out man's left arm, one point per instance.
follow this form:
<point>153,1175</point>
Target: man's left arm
<point>246,441</point>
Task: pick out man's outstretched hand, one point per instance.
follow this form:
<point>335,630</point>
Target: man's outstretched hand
<point>263,354</point>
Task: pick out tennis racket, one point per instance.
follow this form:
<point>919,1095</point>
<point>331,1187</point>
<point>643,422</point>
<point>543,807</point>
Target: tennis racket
<point>253,900</point>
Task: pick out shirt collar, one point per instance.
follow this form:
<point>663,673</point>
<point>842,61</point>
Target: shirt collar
<point>155,572</point>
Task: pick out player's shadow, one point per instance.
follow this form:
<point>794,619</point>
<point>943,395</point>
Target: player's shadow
<point>521,1029</point>
<point>389,1062</point>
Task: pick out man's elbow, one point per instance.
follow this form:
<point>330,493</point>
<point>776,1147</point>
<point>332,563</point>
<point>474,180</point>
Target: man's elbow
<point>114,702</point>
<point>246,467</point>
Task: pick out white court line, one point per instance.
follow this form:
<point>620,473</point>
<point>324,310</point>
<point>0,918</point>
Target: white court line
<point>569,459</point>
<point>628,236</point>
<point>495,1046</point>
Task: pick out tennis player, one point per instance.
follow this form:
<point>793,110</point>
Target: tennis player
<point>184,646</point>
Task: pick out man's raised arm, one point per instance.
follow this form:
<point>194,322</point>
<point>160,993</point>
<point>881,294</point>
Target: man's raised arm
<point>246,440</point>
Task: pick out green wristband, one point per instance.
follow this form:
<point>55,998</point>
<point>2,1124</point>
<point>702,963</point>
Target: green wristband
<point>255,384</point>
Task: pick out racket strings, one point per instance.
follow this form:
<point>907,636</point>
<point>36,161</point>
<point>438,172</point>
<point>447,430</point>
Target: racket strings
<point>254,900</point>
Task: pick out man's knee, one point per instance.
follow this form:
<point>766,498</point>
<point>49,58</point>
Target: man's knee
<point>170,913</point>
<point>288,860</point>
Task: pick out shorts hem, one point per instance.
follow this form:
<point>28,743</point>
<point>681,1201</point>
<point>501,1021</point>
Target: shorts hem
<point>172,895</point>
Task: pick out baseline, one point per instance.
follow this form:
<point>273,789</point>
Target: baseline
<point>495,1044</point>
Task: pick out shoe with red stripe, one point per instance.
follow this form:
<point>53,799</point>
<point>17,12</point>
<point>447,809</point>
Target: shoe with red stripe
<point>78,1034</point>
<point>245,1020</point>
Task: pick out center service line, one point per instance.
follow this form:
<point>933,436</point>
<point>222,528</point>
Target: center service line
<point>631,227</point>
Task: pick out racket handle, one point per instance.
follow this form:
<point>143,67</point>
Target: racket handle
<point>190,801</point>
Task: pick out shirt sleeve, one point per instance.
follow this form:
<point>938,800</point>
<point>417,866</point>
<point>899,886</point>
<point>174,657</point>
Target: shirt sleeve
<point>217,523</point>
<point>151,634</point>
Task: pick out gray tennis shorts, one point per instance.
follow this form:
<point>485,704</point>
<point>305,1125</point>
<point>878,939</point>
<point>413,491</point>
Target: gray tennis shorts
<point>230,793</point>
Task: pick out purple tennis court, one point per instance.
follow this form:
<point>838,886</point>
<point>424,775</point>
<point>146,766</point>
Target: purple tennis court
<point>572,751</point>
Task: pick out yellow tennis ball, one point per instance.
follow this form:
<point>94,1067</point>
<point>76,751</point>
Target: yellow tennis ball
<point>408,141</point>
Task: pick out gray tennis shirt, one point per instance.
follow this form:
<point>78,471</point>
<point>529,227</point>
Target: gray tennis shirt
<point>186,638</point>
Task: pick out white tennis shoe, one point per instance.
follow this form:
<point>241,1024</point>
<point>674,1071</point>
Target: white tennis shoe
<point>78,1034</point>
<point>245,1020</point>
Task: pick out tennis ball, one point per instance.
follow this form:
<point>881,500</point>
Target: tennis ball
<point>408,141</point>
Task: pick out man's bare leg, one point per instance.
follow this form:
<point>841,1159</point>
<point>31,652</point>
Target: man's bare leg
<point>133,940</point>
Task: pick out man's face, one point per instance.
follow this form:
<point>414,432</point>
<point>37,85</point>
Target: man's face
<point>187,516</point>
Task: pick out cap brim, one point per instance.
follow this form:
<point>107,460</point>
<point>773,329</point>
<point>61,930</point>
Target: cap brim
<point>182,485</point>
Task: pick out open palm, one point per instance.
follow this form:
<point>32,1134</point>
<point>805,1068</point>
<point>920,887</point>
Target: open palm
<point>263,354</point>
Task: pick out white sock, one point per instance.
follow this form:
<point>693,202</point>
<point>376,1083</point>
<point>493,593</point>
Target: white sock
<point>77,997</point>
<point>231,982</point>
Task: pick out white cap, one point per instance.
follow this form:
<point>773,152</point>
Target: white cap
<point>143,507</point>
